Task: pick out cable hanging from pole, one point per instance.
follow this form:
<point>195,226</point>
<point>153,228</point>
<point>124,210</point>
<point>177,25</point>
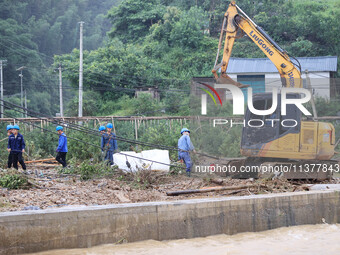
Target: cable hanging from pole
<point>96,133</point>
<point>88,131</point>
<point>87,143</point>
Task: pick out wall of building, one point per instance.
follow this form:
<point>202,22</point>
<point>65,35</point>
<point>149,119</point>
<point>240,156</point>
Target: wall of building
<point>320,82</point>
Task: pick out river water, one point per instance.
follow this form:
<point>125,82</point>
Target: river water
<point>308,239</point>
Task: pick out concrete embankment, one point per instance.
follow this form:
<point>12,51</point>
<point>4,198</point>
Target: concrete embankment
<point>79,227</point>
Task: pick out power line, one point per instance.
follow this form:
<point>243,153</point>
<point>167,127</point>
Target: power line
<point>95,133</point>
<point>85,130</point>
<point>25,47</point>
<point>97,146</point>
<point>107,75</point>
<point>91,71</point>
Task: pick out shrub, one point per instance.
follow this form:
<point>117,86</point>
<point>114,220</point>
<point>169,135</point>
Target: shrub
<point>13,181</point>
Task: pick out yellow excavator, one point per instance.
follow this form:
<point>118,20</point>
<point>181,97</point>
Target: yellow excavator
<point>309,140</point>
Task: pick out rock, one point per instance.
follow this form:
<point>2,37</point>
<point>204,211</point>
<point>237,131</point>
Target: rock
<point>31,207</point>
<point>217,181</point>
<point>115,187</point>
<point>121,196</point>
<point>102,184</point>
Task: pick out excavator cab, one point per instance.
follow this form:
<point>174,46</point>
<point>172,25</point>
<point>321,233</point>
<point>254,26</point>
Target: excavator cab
<point>262,129</point>
<point>285,136</point>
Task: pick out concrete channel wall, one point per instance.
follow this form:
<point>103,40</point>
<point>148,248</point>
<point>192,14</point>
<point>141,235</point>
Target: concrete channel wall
<point>79,227</point>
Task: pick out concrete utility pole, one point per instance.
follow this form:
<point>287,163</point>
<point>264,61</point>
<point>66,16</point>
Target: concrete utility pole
<point>80,110</point>
<point>61,93</point>
<point>21,86</point>
<point>2,63</point>
<point>25,104</point>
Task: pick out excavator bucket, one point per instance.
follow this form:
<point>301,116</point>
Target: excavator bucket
<point>225,79</point>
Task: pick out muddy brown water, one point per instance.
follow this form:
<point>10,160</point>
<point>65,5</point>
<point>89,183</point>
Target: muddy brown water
<point>297,240</point>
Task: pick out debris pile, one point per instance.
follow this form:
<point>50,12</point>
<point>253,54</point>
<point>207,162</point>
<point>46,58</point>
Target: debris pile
<point>50,189</point>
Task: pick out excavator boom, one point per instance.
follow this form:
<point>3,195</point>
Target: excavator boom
<point>273,141</point>
<point>234,23</point>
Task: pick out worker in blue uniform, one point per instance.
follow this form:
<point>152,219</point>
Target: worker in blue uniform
<point>62,146</point>
<point>16,146</point>
<point>109,143</point>
<point>9,161</point>
<point>102,130</point>
<point>184,146</point>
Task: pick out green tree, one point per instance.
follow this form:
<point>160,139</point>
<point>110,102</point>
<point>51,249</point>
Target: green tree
<point>145,105</point>
<point>131,19</point>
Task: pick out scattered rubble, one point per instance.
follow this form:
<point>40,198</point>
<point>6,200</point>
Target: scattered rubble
<point>51,189</point>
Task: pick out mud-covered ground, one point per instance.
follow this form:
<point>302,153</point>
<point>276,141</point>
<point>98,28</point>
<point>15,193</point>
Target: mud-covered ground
<point>49,189</point>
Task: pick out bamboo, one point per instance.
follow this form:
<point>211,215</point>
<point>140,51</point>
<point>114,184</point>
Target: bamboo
<point>136,130</point>
<point>40,160</point>
<point>114,128</point>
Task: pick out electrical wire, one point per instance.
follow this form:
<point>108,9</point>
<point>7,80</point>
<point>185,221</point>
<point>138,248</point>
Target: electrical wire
<point>82,129</point>
<point>90,71</point>
<point>90,144</point>
<point>95,133</point>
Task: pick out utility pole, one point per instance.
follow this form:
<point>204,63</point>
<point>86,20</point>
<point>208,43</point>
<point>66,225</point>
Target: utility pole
<point>25,104</point>
<point>21,86</point>
<point>61,93</point>
<point>2,63</point>
<point>80,110</point>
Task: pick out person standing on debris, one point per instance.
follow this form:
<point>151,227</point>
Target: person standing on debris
<point>102,130</point>
<point>9,132</point>
<point>62,146</point>
<point>109,143</point>
<point>16,146</point>
<point>184,146</point>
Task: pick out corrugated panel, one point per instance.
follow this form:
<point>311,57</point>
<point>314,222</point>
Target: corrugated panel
<point>264,65</point>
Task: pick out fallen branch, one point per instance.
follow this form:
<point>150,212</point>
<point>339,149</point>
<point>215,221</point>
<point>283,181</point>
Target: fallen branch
<point>204,190</point>
<point>34,184</point>
<point>40,160</point>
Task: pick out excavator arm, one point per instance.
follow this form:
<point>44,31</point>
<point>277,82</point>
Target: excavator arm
<point>304,143</point>
<point>234,24</point>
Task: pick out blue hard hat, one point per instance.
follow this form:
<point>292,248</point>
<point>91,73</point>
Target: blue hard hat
<point>185,130</point>
<point>59,128</point>
<point>16,127</point>
<point>102,128</point>
<point>109,125</point>
<point>9,127</point>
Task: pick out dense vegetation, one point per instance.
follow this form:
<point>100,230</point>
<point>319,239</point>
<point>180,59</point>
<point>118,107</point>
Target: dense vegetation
<point>33,31</point>
<point>149,43</point>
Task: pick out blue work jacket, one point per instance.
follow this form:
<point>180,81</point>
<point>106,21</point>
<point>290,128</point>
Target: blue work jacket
<point>16,144</point>
<point>109,142</point>
<point>62,145</point>
<point>184,143</point>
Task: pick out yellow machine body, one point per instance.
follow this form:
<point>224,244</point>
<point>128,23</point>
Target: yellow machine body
<point>313,140</point>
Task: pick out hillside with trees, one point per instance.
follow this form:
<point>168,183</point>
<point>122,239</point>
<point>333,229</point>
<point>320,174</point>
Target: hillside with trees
<point>33,31</point>
<point>130,44</point>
